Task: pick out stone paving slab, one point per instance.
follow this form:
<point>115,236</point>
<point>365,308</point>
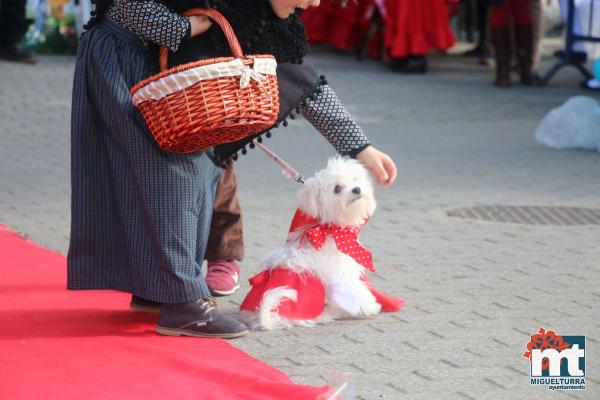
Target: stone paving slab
<point>475,290</point>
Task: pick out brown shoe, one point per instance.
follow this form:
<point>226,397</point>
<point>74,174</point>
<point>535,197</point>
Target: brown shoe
<point>501,40</point>
<point>198,319</point>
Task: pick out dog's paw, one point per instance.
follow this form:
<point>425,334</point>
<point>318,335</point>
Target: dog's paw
<point>370,308</point>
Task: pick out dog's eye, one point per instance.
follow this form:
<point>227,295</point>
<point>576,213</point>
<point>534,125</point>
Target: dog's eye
<point>337,189</point>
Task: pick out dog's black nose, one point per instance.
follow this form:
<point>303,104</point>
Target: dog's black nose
<point>356,191</point>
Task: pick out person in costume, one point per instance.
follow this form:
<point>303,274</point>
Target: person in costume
<point>140,217</point>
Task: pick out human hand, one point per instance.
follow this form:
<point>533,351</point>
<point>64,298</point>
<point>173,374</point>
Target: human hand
<point>200,24</point>
<point>379,164</point>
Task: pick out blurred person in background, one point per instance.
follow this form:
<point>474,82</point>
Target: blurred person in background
<point>12,29</point>
<point>519,11</point>
<point>341,25</point>
<point>403,31</point>
<point>413,29</point>
<point>481,49</point>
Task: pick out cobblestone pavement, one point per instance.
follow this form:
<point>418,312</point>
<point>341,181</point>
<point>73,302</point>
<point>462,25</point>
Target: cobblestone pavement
<point>475,291</point>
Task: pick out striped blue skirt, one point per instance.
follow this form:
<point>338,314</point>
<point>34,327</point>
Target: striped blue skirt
<point>140,217</point>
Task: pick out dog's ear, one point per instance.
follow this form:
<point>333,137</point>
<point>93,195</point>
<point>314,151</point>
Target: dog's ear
<point>308,197</point>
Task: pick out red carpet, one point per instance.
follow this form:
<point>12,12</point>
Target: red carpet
<point>56,344</point>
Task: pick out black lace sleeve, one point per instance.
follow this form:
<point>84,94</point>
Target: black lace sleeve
<point>329,116</point>
<point>151,21</point>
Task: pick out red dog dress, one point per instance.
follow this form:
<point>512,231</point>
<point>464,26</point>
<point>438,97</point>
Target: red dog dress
<point>310,289</point>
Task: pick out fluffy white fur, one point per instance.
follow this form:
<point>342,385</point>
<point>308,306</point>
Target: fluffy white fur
<point>341,194</point>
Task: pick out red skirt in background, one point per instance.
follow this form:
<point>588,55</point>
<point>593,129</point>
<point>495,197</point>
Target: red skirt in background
<point>411,27</point>
<point>415,27</point>
<point>331,23</point>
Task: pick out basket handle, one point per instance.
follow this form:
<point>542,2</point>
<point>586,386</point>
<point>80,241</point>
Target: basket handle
<point>216,16</point>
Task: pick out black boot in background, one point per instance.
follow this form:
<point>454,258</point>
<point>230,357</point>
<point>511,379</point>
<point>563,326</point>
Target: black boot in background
<point>524,47</point>
<point>12,28</point>
<point>501,41</point>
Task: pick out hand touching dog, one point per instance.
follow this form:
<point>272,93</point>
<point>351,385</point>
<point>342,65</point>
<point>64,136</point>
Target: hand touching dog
<point>379,164</point>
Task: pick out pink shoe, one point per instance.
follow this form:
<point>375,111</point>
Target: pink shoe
<point>222,277</point>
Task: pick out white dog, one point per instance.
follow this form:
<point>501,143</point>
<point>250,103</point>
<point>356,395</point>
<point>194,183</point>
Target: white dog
<point>320,273</point>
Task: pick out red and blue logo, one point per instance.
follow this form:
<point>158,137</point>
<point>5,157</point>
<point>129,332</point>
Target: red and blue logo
<point>556,361</point>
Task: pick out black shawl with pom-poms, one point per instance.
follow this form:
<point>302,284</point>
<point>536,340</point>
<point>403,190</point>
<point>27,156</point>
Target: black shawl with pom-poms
<point>257,28</point>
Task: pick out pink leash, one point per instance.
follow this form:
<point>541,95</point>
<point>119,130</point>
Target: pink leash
<point>288,171</point>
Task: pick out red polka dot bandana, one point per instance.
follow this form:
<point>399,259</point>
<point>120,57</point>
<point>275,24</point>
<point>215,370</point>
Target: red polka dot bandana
<point>346,240</point>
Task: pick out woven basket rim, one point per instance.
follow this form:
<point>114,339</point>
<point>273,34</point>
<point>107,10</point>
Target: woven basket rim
<point>190,65</point>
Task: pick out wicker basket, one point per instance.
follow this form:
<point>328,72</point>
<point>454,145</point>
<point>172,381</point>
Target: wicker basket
<point>197,105</point>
